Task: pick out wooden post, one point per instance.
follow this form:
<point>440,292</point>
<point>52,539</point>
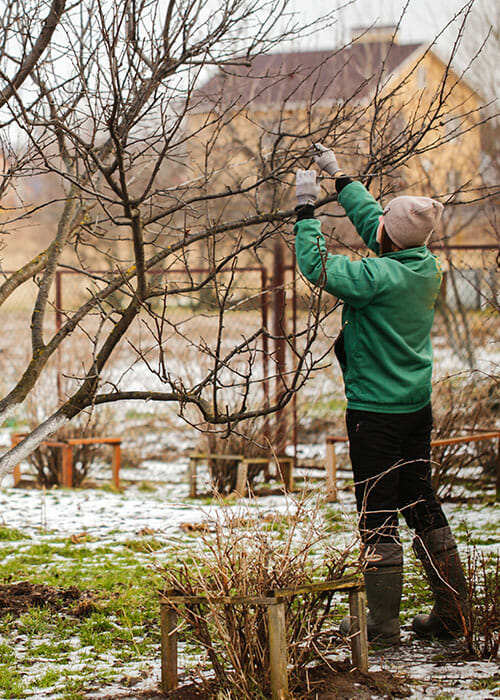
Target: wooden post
<point>285,468</point>
<point>357,632</point>
<point>193,463</point>
<point>168,624</point>
<point>279,332</point>
<point>117,459</point>
<point>58,320</point>
<point>278,657</point>
<point>498,472</point>
<point>264,306</point>
<point>67,466</point>
<point>241,478</point>
<point>331,471</point>
<point>16,473</point>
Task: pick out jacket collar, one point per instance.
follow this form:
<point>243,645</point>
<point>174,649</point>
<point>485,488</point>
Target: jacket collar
<point>417,253</point>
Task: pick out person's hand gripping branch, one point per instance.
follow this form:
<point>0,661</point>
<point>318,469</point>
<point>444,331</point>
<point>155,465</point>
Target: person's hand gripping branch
<point>326,160</point>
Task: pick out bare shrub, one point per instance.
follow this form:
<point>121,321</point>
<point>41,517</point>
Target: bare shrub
<point>246,556</point>
<point>250,444</point>
<point>483,635</point>
<point>47,459</point>
<point>463,408</point>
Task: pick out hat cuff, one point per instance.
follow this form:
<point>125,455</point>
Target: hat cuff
<point>405,244</point>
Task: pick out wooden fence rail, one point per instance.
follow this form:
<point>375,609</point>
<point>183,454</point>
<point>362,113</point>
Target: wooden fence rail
<point>331,459</point>
<point>66,447</point>
<point>284,465</point>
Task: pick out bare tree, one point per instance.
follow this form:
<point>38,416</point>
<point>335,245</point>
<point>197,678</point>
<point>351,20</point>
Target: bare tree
<point>484,30</point>
<point>155,175</point>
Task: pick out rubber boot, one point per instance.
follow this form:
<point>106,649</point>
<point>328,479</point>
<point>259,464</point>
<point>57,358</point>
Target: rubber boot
<point>437,550</point>
<point>383,584</point>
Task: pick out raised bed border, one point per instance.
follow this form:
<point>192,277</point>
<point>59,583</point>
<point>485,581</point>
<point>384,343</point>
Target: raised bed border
<point>284,464</point>
<point>66,446</point>
<point>275,604</point>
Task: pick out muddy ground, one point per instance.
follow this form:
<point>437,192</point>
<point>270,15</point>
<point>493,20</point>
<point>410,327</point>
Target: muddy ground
<point>18,598</point>
<point>339,682</point>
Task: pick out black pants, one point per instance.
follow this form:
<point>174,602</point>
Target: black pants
<point>390,457</point>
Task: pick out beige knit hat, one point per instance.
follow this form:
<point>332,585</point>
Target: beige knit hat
<point>409,221</point>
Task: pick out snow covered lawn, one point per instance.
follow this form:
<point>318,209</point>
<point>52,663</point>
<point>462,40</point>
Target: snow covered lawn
<point>108,544</point>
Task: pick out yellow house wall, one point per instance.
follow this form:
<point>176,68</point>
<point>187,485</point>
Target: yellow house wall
<point>240,148</point>
<point>461,155</point>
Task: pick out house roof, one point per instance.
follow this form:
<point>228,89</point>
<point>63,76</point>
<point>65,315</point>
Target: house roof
<point>309,75</point>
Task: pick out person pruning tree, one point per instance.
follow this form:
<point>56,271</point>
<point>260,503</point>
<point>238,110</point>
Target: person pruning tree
<point>385,353</point>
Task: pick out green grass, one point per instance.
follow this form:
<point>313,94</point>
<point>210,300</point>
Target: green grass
<point>149,544</point>
<point>37,622</point>
<point>7,654</point>
<point>10,534</point>
<point>146,487</point>
<point>11,684</point>
<point>123,583</point>
<point>49,678</point>
<point>110,488</point>
<point>324,407</point>
<point>47,653</point>
<point>51,650</point>
<point>133,414</point>
<point>487,536</point>
<point>14,423</point>
<point>73,689</point>
<point>486,683</point>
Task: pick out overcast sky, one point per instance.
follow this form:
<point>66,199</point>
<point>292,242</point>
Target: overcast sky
<point>422,20</point>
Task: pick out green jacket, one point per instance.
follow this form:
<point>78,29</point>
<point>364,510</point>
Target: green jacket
<point>388,309</point>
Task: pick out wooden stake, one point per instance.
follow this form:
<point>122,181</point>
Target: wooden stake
<point>285,468</point>
<point>117,458</point>
<point>358,633</point>
<point>498,472</point>
<point>278,657</point>
<point>331,472</point>
<point>168,624</point>
<point>14,440</point>
<point>241,479</point>
<point>193,464</point>
<point>67,466</point>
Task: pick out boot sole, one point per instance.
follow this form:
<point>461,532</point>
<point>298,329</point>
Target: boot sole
<point>383,642</point>
<point>442,631</point>
<point>444,634</point>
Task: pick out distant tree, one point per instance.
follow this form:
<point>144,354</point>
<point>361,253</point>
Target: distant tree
<point>483,36</point>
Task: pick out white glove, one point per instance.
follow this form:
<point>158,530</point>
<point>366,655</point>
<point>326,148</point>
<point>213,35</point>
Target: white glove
<point>306,187</point>
<point>325,159</point>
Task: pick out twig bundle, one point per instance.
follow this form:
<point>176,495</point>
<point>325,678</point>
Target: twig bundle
<point>245,557</point>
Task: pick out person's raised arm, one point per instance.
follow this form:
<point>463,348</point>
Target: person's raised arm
<point>362,209</point>
<point>337,274</point>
